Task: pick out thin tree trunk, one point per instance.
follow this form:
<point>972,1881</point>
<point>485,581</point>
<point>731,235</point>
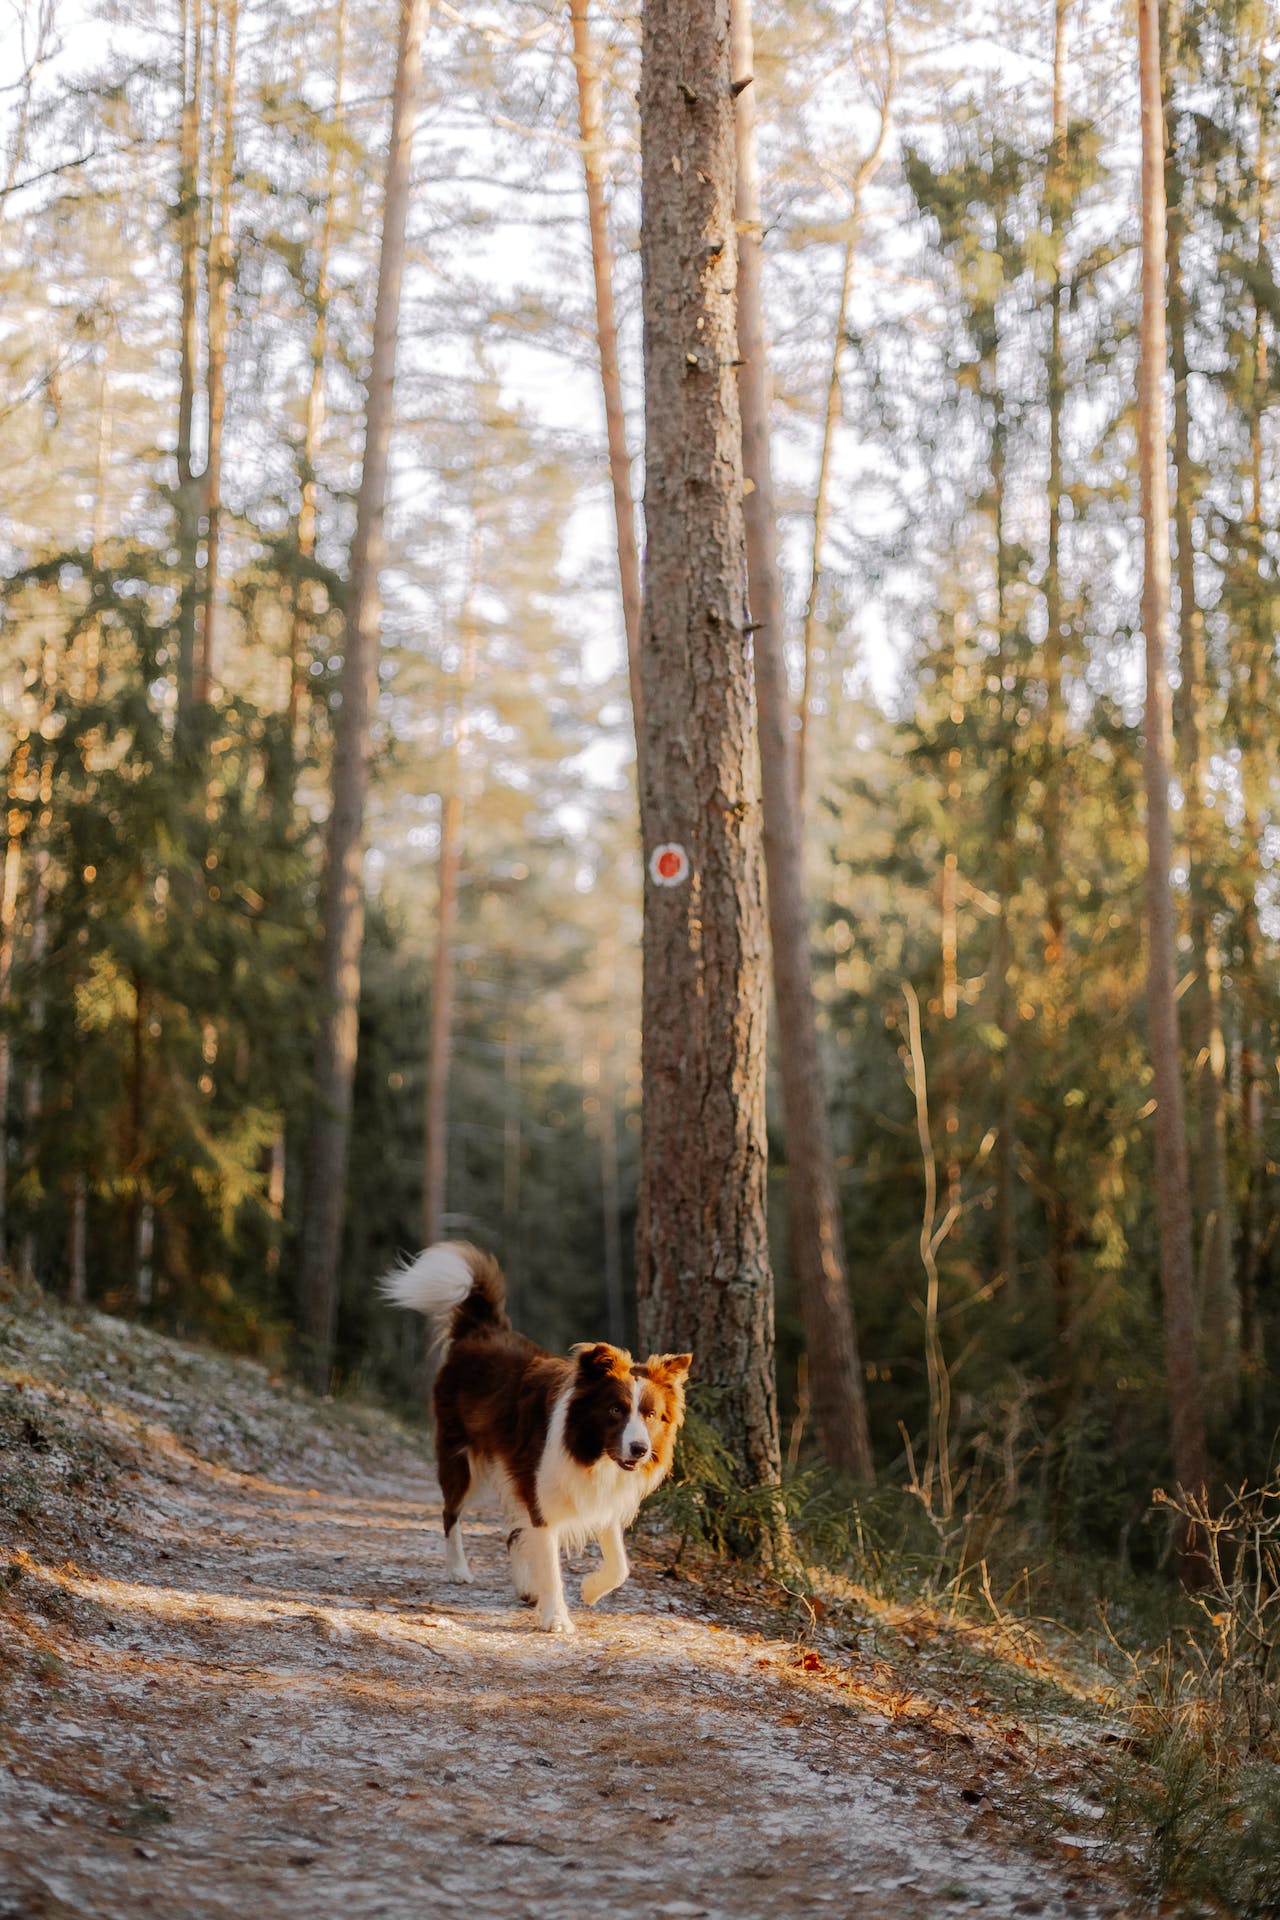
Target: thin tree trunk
<point>512,1246</point>
<point>220,270</point>
<point>10,883</point>
<point>866,172</point>
<point>187,503</point>
<point>1220,1307</point>
<point>1058,1209</point>
<point>329,1145</point>
<point>302,615</point>
<point>610,1184</point>
<point>703,1278</point>
<point>813,1210</point>
<point>436,1138</point>
<point>1006,1149</point>
<point>436,1163</point>
<point>1257,753</point>
<point>1190,1455</point>
<point>591,134</point>
<point>77,1276</point>
<point>1055,638</point>
<point>142,1227</point>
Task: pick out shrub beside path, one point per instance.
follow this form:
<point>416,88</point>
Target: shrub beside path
<point>236,1683</point>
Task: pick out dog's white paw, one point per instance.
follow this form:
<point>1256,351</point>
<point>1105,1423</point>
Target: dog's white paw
<point>556,1623</point>
<point>455,1563</point>
<point>595,1587</point>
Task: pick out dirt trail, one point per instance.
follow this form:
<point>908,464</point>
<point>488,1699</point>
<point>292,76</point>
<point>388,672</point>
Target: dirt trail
<point>253,1694</point>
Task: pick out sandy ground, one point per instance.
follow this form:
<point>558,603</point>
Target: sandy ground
<point>236,1691</point>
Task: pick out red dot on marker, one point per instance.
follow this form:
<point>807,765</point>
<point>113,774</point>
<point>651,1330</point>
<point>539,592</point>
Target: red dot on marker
<point>669,864</point>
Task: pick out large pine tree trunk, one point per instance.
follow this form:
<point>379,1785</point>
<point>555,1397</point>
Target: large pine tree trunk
<point>813,1210</point>
<point>703,1278</point>
<point>329,1145</point>
<point>591,133</point>
<point>1190,1457</point>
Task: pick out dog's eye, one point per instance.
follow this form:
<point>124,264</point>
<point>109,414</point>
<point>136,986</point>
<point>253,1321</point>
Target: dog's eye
<point>622,1409</point>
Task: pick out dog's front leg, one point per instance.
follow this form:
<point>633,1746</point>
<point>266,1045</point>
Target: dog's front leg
<point>540,1552</point>
<point>614,1570</point>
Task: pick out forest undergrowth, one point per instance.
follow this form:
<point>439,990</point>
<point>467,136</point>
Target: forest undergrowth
<point>1169,1703</point>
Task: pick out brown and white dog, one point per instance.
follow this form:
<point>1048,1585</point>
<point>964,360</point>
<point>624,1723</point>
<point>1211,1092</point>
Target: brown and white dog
<point>569,1448</point>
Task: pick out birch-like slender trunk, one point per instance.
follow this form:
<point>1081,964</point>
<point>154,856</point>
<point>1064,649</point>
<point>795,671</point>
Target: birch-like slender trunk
<point>10,884</point>
<point>302,614</point>
<point>220,274</point>
<point>703,1273</point>
<point>815,1231</point>
<point>1177,1275</point>
<point>1059,1211</point>
<point>1220,1306</point>
<point>1256,761</point>
<point>865,173</point>
<point>187,504</point>
<point>329,1146</point>
<point>591,135</point>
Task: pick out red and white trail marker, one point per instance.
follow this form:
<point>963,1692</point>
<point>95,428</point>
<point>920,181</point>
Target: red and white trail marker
<point>668,865</point>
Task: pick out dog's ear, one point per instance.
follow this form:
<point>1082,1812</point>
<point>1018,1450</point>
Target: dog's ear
<point>671,1367</point>
<point>597,1357</point>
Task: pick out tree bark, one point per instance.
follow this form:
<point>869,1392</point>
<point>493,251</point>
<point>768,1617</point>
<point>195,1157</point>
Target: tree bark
<point>591,134</point>
<point>815,1230</point>
<point>302,614</point>
<point>704,1279</point>
<point>187,505</point>
<point>220,274</point>
<point>1190,1456</point>
<point>1059,1209</point>
<point>1220,1307</point>
<point>329,1145</point>
<point>10,883</point>
<point>866,172</point>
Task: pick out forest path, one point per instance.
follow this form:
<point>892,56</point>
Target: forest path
<point>254,1694</point>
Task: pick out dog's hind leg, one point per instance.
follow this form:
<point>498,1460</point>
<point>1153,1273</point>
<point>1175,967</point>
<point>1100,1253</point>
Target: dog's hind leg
<point>612,1573</point>
<point>518,1565</point>
<point>454,1468</point>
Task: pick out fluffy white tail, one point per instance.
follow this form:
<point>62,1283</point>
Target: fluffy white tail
<point>437,1281</point>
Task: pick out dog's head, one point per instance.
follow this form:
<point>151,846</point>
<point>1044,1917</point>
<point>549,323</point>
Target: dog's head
<point>629,1410</point>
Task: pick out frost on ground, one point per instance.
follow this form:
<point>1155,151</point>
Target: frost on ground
<point>234,1681</point>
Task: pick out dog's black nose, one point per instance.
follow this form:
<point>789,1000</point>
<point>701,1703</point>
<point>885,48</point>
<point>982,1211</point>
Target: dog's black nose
<point>639,1448</point>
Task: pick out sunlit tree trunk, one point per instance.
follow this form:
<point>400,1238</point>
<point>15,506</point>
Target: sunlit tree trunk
<point>1220,1309</point>
<point>591,134</point>
<point>704,1279</point>
<point>220,272</point>
<point>10,883</point>
<point>1190,1457</point>
<point>610,1182</point>
<point>1058,1209</point>
<point>1257,762</point>
<point>1006,1147</point>
<point>865,173</point>
<point>815,1232</point>
<point>187,505</point>
<point>329,1145</point>
<point>301,616</point>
